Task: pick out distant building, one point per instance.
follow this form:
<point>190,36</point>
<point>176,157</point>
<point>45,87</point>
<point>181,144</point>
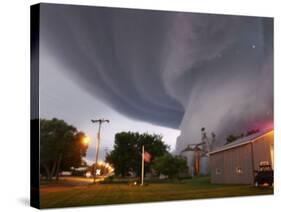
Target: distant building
<point>197,154</point>
<point>236,162</point>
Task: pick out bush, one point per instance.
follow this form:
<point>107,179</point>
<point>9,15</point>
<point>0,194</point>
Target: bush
<point>170,165</point>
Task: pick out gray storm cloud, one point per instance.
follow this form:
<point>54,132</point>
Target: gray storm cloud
<point>174,69</point>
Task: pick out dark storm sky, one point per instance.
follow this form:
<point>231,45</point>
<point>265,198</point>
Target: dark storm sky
<point>172,69</point>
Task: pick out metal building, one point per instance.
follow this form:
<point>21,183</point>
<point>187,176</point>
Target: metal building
<point>235,163</point>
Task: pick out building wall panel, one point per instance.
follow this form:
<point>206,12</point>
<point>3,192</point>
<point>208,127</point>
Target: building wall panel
<point>262,150</point>
<point>237,165</point>
<point>230,161</point>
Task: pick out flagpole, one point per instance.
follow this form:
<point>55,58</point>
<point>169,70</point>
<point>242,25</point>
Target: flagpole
<point>142,166</point>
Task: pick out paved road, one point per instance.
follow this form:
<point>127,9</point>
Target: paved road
<point>68,183</point>
<point>80,180</point>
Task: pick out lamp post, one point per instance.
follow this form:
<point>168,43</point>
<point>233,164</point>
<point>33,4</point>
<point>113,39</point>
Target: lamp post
<point>100,122</point>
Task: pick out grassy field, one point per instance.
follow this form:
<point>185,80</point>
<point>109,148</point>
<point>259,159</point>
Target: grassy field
<point>64,195</point>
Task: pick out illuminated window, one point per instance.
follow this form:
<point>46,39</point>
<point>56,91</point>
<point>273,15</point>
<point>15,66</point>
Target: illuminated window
<point>239,170</point>
<point>218,171</point>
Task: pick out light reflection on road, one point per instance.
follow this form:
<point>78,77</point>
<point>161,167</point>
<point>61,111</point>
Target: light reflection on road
<point>81,180</point>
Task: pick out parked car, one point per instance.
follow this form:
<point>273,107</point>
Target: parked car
<point>264,175</point>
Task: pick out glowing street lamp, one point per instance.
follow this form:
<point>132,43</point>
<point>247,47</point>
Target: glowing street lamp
<point>100,163</point>
<point>86,140</point>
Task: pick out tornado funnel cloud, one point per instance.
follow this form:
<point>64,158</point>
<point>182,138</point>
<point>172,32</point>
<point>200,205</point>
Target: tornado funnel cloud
<point>175,69</point>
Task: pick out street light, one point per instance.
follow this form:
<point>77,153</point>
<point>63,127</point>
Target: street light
<point>86,140</point>
<point>100,122</point>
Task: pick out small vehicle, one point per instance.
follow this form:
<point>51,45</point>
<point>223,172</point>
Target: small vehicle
<point>264,175</point>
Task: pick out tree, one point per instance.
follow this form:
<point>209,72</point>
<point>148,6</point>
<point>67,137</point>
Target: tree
<point>126,155</point>
<point>170,165</point>
<point>60,147</point>
<point>231,138</point>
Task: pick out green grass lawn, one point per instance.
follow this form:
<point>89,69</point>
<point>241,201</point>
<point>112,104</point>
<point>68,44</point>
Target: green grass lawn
<point>84,195</point>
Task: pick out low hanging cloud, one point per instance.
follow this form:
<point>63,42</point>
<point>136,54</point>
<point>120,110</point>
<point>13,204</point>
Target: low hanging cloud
<point>174,69</point>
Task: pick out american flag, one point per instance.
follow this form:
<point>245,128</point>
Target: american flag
<point>146,157</point>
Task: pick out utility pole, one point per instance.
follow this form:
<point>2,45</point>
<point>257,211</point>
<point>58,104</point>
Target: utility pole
<point>142,164</point>
<point>100,122</point>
